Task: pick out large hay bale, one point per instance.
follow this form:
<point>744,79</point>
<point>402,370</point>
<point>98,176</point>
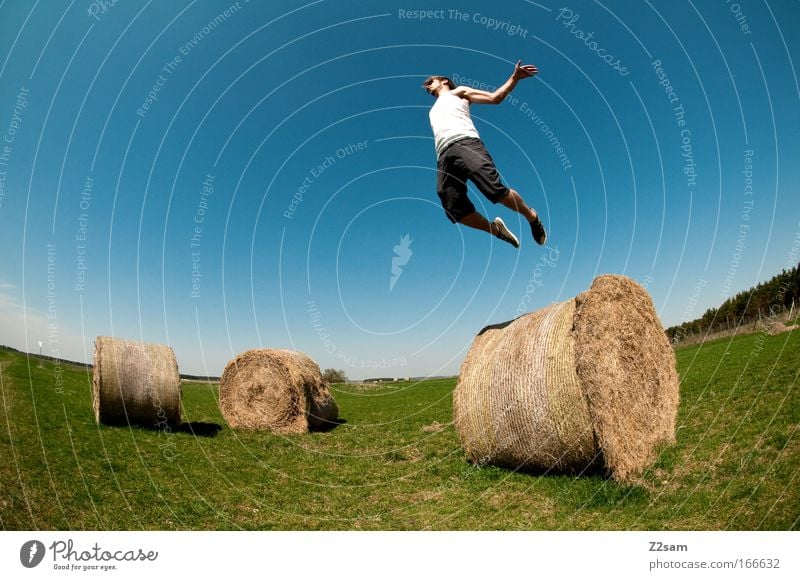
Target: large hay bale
<point>590,382</point>
<point>135,383</point>
<point>277,390</point>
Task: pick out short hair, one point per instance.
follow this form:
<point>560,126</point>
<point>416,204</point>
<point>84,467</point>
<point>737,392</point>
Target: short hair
<point>432,78</point>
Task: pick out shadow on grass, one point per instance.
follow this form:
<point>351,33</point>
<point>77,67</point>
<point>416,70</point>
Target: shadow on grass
<point>199,429</point>
<point>595,469</point>
<point>592,471</point>
<point>326,425</point>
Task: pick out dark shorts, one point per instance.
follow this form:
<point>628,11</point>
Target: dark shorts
<point>466,159</point>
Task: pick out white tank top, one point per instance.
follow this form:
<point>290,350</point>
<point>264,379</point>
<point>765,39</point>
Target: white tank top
<point>450,121</point>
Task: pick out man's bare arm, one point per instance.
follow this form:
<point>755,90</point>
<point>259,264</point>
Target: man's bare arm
<point>493,98</point>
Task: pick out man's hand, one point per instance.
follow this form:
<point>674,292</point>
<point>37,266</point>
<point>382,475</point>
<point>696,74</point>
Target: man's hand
<point>523,71</point>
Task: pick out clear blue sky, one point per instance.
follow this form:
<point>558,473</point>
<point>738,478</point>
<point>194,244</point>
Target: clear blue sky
<point>224,175</point>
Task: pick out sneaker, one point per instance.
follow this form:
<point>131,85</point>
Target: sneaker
<point>504,233</point>
<point>537,229</point>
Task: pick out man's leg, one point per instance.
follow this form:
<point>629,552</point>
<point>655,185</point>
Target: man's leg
<point>496,228</point>
<point>477,221</point>
<point>482,171</point>
<point>514,201</point>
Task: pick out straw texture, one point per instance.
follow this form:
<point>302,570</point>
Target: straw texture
<point>568,387</point>
<point>135,383</point>
<point>277,390</point>
<point>627,368</point>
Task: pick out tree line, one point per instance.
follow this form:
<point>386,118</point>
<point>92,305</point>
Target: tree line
<point>766,300</point>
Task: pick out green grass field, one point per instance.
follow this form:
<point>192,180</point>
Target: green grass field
<point>396,462</point>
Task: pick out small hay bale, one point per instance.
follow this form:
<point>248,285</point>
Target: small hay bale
<point>135,383</point>
<point>776,328</point>
<point>585,383</point>
<point>277,390</point>
<point>779,328</point>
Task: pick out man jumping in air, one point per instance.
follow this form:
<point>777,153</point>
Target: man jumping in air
<point>461,156</point>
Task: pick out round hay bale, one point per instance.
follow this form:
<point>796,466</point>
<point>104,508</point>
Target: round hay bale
<point>135,384</point>
<point>277,390</point>
<point>589,382</point>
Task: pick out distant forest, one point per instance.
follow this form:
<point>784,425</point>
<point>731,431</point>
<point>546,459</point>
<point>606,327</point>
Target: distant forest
<point>767,300</point>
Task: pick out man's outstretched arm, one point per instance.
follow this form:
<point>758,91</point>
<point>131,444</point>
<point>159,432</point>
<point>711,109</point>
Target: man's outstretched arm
<point>486,98</point>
